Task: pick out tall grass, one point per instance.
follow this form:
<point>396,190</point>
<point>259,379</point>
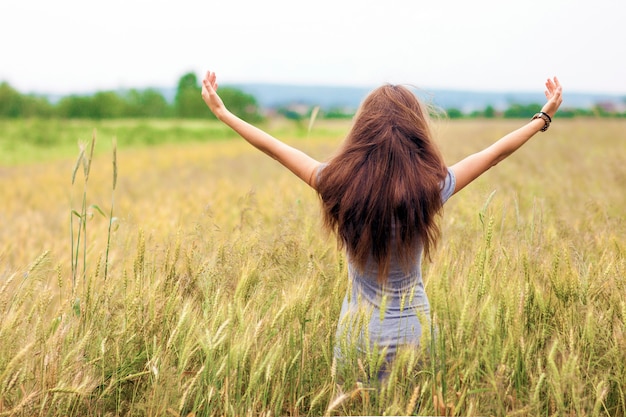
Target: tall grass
<point>222,297</point>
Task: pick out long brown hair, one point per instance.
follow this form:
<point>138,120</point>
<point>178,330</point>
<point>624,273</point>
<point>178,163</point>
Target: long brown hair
<point>382,191</point>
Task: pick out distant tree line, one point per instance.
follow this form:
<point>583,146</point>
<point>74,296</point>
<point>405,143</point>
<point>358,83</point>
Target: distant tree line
<point>514,111</point>
<point>150,103</point>
<point>520,111</point>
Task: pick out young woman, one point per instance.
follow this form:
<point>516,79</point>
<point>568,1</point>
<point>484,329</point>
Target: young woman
<point>381,195</point>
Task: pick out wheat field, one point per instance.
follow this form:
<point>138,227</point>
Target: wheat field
<point>192,278</point>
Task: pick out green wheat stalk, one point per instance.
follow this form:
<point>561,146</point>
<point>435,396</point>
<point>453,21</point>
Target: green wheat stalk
<point>81,237</point>
<point>73,213</point>
<point>106,257</point>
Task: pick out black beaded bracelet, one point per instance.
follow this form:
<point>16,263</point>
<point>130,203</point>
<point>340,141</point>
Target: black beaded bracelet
<point>546,119</point>
<point>547,115</point>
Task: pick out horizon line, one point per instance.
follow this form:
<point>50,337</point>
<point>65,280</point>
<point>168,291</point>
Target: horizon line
<point>318,85</point>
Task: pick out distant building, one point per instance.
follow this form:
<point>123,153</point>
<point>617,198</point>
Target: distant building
<point>610,106</point>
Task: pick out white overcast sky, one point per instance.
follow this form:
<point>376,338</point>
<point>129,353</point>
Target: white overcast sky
<point>69,46</point>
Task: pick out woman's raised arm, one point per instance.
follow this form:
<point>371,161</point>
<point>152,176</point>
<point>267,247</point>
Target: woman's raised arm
<point>293,159</point>
<point>473,166</point>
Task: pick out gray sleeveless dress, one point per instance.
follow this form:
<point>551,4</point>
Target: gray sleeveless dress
<point>377,318</point>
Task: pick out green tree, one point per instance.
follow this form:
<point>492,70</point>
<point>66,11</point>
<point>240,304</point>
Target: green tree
<point>38,107</point>
<point>10,101</point>
<point>102,105</point>
<point>107,105</point>
<point>338,113</point>
<point>14,105</point>
<point>242,104</point>
<point>146,103</point>
<point>75,106</point>
<point>454,113</point>
<point>489,112</point>
<point>519,111</point>
<point>188,101</point>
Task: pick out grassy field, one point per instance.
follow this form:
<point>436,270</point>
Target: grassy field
<point>198,281</point>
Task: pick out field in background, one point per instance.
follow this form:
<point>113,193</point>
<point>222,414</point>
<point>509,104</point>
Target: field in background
<point>222,295</point>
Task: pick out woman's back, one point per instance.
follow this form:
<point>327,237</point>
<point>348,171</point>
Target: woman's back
<point>387,176</point>
<point>395,309</point>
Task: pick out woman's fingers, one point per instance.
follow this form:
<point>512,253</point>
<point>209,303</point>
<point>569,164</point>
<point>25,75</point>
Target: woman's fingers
<point>211,80</point>
<point>553,87</point>
<point>553,93</point>
<point>207,80</point>
<point>550,86</point>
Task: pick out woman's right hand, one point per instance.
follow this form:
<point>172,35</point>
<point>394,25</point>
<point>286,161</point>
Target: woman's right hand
<point>554,95</point>
<point>210,97</point>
